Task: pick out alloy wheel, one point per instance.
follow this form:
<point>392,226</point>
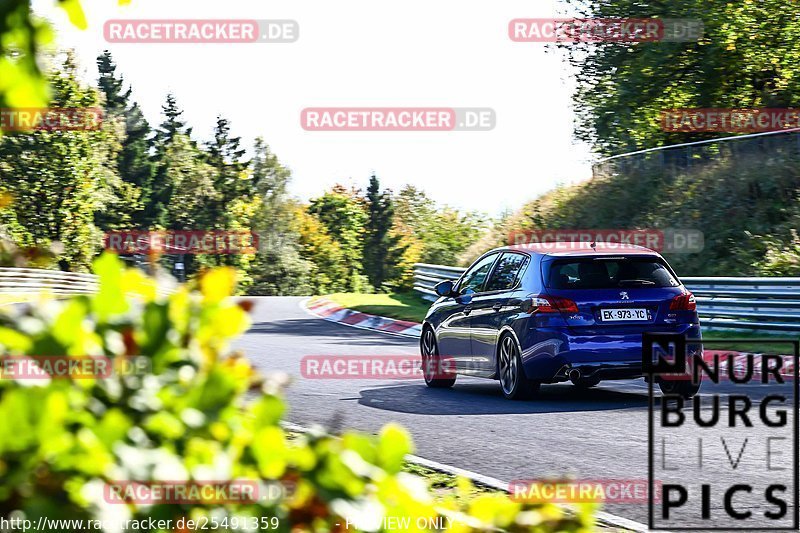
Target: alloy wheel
<point>508,366</point>
<point>429,352</point>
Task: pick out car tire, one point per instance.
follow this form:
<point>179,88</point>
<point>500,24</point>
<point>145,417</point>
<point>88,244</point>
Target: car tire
<point>513,381</point>
<point>684,387</point>
<point>431,364</point>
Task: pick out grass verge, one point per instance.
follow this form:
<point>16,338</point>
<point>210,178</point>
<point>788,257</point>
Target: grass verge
<point>401,305</point>
<point>757,346</point>
<point>446,486</point>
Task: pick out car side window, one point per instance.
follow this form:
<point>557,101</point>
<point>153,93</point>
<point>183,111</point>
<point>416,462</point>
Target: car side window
<point>505,274</point>
<point>476,275</point>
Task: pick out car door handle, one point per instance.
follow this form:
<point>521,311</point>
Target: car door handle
<point>497,306</point>
<point>467,309</point>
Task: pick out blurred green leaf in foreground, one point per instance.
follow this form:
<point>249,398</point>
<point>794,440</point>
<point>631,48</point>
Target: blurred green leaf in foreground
<point>200,412</point>
<point>22,36</point>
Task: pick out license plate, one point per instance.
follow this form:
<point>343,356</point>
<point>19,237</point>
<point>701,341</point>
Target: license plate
<point>619,315</point>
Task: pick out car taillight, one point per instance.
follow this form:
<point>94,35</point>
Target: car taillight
<point>683,302</point>
<point>554,304</point>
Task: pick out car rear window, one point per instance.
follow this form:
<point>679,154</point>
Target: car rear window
<point>608,273</point>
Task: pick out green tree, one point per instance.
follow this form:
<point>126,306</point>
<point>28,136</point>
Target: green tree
<point>343,213</point>
<point>134,163</point>
<point>748,57</point>
<point>231,181</point>
<point>156,205</point>
<point>191,179</point>
<point>173,123</point>
<point>113,87</point>
<point>280,267</point>
<point>446,233</point>
<point>329,270</point>
<point>382,250</point>
<point>235,203</point>
<point>405,224</point>
<point>59,180</point>
<point>414,208</point>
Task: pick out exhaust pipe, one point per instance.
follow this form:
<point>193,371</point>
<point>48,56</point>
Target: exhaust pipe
<point>574,374</point>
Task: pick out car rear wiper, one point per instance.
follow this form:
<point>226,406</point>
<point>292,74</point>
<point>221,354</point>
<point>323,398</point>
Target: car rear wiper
<point>624,282</point>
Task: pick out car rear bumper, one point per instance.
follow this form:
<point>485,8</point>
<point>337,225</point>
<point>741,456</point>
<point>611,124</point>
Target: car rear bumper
<point>601,370</point>
<point>550,355</point>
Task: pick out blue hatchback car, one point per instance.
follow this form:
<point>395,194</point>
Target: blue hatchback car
<point>534,314</point>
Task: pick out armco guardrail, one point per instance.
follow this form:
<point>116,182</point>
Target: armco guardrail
<point>748,303</point>
<point>26,281</point>
<point>427,276</point>
<point>766,304</point>
<point>34,280</point>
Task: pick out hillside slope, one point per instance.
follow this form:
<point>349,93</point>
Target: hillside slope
<point>746,204</point>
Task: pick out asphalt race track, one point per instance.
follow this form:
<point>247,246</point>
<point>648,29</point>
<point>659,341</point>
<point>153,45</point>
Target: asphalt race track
<point>601,433</point>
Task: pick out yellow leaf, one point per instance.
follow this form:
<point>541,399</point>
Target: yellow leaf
<point>75,13</point>
<point>6,199</point>
<point>179,311</point>
<point>232,321</point>
<point>134,281</point>
<point>218,284</point>
<point>12,341</point>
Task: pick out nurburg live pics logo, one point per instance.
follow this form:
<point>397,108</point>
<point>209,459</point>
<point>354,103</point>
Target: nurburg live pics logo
<point>726,460</point>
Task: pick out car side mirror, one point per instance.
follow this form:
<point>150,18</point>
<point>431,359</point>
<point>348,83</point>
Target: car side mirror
<point>445,288</point>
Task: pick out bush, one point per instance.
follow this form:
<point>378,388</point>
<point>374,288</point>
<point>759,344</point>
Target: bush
<point>742,200</point>
<point>781,258</point>
<point>200,412</point>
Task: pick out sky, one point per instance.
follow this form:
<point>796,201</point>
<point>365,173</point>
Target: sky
<point>359,53</point>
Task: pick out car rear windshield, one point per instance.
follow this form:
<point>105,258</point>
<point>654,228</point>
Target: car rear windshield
<point>608,273</point>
